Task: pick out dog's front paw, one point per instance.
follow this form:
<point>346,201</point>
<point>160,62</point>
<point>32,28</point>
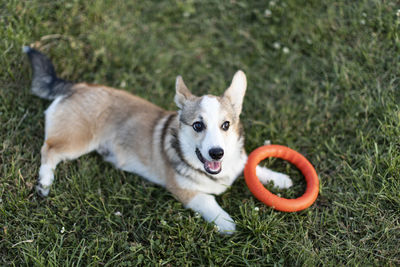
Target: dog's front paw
<point>42,191</point>
<point>208,207</point>
<point>225,225</point>
<point>283,181</point>
<point>280,180</point>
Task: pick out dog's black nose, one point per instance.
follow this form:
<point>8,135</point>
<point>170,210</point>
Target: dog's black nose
<point>216,153</point>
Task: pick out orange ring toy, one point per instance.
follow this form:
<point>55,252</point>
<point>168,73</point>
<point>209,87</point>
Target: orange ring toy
<point>262,194</point>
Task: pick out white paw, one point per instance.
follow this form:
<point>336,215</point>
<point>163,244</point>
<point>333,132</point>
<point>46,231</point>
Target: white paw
<point>225,225</point>
<point>283,181</point>
<point>42,190</point>
<point>280,180</point>
<point>209,209</point>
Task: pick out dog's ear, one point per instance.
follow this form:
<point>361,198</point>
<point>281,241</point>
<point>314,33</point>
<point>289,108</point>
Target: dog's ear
<point>182,92</point>
<point>237,89</point>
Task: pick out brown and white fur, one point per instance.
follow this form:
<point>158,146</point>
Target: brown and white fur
<point>194,153</point>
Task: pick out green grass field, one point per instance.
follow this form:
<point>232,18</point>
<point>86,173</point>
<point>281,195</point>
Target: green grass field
<point>324,79</point>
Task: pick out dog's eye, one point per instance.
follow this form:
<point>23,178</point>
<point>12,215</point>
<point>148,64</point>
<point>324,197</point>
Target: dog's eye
<point>225,126</point>
<point>198,126</point>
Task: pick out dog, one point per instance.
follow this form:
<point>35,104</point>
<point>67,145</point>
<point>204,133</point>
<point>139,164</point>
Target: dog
<point>195,153</point>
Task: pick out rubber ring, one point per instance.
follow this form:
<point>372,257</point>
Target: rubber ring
<point>292,156</point>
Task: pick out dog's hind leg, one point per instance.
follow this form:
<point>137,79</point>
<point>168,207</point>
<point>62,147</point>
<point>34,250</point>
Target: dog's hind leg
<point>56,149</point>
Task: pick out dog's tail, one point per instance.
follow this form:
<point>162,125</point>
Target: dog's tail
<point>45,82</point>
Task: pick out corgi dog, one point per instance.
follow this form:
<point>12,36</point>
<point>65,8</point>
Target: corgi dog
<point>196,152</point>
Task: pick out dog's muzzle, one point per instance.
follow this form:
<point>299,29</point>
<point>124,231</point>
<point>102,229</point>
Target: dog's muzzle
<point>212,167</point>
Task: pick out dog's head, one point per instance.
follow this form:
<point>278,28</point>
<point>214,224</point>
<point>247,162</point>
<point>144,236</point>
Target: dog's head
<point>209,125</point>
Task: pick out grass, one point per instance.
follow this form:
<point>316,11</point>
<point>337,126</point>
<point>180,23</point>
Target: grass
<point>323,79</point>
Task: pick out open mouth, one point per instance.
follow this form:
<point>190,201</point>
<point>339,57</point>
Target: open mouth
<point>212,167</point>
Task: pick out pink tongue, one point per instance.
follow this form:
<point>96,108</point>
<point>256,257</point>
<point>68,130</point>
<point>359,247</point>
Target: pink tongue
<point>213,165</point>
